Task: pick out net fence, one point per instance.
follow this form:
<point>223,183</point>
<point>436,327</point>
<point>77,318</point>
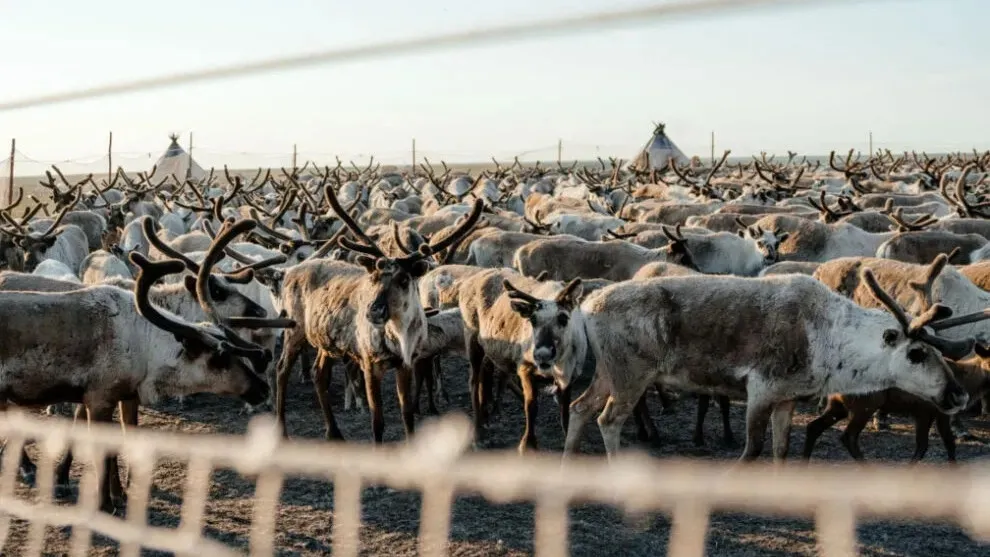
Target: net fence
<point>438,464</point>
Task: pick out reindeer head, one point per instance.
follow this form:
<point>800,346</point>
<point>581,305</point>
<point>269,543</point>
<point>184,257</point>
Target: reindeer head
<point>551,321</point>
<point>213,358</point>
<point>767,242</point>
<point>395,293</point>
<point>677,250</point>
<point>220,287</point>
<point>33,246</point>
<point>916,354</point>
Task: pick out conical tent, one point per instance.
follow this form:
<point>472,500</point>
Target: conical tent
<point>175,162</point>
<point>658,151</point>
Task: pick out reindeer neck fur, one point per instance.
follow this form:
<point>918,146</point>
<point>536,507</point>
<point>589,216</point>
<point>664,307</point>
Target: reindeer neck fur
<point>848,352</point>
<point>574,350</point>
<point>401,334</point>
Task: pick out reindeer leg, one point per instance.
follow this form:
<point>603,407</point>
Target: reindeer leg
<point>128,410</point>
<point>373,388</point>
<point>563,397</point>
<point>617,409</point>
<point>321,385</point>
<point>441,384</point>
<point>881,421</point>
<point>62,488</point>
<point>112,496</point>
<point>780,423</point>
<point>403,386</point>
<point>725,405</point>
<point>531,407</point>
<point>835,412</point>
<point>476,358</point>
<point>305,366</point>
<point>646,430</point>
<point>353,378</point>
<point>290,352</point>
<point>431,383</point>
<point>857,423</point>
<point>500,381</point>
<point>592,400</point>
<point>704,401</point>
<point>922,428</point>
<point>757,418</point>
<point>666,401</point>
<point>944,428</point>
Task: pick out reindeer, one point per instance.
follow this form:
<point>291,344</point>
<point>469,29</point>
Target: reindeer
<point>972,373</point>
<point>102,345</point>
<point>566,258</point>
<point>514,331</point>
<point>368,312</point>
<point>821,343</point>
<point>67,244</point>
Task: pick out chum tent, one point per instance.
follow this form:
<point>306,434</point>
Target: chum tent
<point>658,150</point>
<point>176,161</point>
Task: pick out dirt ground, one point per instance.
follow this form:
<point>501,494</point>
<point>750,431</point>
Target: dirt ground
<point>481,528</point>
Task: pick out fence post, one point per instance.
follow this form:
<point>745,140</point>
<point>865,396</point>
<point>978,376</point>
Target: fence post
<point>110,159</point>
<point>413,169</point>
<point>189,162</point>
<point>10,176</point>
<point>295,154</point>
<point>560,151</point>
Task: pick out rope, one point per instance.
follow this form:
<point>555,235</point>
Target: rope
<point>501,33</point>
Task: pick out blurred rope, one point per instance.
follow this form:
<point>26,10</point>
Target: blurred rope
<point>500,33</point>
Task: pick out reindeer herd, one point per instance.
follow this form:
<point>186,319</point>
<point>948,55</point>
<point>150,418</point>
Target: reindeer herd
<point>861,285</point>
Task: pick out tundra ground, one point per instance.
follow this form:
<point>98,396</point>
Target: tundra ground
<point>480,528</point>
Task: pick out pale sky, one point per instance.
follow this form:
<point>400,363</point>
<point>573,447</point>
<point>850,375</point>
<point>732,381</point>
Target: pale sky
<point>915,72</point>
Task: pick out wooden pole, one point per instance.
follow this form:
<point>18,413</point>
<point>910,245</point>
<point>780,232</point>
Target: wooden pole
<point>189,162</point>
<point>871,143</point>
<point>414,154</point>
<point>110,159</point>
<point>295,155</point>
<point>10,175</point>
<point>560,151</point>
<point>713,147</point>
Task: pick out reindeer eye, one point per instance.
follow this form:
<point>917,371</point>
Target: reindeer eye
<point>218,294</point>
<point>917,355</point>
<point>563,319</point>
<point>403,280</point>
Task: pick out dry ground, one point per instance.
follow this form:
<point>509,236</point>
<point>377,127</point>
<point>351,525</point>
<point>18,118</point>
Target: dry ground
<point>481,528</point>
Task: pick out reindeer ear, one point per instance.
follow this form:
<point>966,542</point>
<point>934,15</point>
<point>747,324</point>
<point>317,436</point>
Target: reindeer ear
<point>523,308</point>
<point>982,350</point>
<point>571,294</point>
<point>367,262</point>
<point>783,237</point>
<point>890,336</point>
